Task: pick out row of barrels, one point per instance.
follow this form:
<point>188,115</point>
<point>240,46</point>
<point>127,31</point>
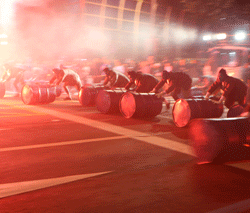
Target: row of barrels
<point>209,134</point>
<point>132,104</point>
<point>129,104</point>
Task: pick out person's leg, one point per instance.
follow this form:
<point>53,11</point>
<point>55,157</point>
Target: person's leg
<point>229,102</point>
<point>176,93</point>
<point>65,86</point>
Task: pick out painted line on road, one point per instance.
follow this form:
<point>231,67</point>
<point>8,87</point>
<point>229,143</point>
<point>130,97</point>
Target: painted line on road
<point>20,115</point>
<point>10,189</point>
<point>154,140</point>
<point>238,207</point>
<point>241,165</point>
<point>59,143</point>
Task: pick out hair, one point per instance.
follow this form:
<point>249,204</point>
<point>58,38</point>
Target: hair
<point>56,70</point>
<point>132,73</point>
<point>165,74</point>
<point>223,71</point>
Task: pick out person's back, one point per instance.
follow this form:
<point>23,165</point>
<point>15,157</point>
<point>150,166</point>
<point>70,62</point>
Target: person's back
<point>146,82</point>
<point>121,80</point>
<point>233,89</point>
<point>70,75</point>
<point>181,79</point>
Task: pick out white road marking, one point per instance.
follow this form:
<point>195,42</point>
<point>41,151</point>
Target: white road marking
<point>240,165</point>
<point>59,143</point>
<point>165,143</point>
<point>241,206</point>
<point>10,189</point>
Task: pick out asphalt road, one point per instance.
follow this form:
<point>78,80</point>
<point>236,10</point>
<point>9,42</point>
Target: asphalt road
<point>63,157</point>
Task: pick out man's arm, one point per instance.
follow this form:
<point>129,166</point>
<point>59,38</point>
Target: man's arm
<point>129,84</point>
<point>158,86</point>
<point>106,80</point>
<point>113,79</point>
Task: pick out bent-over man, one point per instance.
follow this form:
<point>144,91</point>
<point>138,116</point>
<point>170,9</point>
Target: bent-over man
<point>68,77</point>
<point>179,84</point>
<point>114,79</point>
<point>233,89</point>
<point>143,82</point>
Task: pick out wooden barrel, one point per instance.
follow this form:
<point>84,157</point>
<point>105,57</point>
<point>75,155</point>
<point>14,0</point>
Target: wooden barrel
<point>2,89</point>
<point>235,111</point>
<point>107,101</point>
<point>209,137</point>
<point>88,93</point>
<point>186,109</point>
<point>140,105</point>
<point>33,94</point>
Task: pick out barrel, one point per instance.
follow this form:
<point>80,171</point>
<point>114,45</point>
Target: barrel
<point>88,93</point>
<point>186,109</point>
<point>196,91</point>
<point>2,89</point>
<point>43,83</point>
<point>33,94</point>
<point>107,101</point>
<point>134,104</point>
<point>210,137</point>
<point>235,111</point>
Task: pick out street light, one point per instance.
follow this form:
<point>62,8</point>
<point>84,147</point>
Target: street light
<point>240,36</point>
<point>207,37</point>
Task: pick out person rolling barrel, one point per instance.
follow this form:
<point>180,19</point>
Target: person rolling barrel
<point>114,79</point>
<point>141,82</point>
<point>68,77</point>
<point>234,90</point>
<point>179,85</point>
<point>12,71</point>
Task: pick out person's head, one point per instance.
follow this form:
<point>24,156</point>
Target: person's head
<point>222,74</point>
<point>56,70</point>
<point>132,75</point>
<point>165,75</point>
<point>106,70</point>
<point>139,75</point>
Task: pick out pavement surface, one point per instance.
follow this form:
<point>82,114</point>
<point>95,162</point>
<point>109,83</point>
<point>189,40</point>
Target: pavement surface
<point>64,157</point>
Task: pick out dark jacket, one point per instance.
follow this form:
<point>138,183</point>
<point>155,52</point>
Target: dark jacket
<point>116,79</point>
<point>229,85</point>
<point>144,83</point>
<point>176,80</point>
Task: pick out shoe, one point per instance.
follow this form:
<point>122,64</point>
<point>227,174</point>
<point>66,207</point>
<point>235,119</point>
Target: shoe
<point>67,99</point>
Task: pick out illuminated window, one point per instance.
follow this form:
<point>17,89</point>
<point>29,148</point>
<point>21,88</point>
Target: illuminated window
<point>144,17</point>
<point>111,12</point>
<point>92,9</point>
<point>145,7</point>
<point>128,26</point>
<point>92,20</point>
<point>113,2</point>
<point>94,1</point>
<point>111,23</point>
<point>128,15</point>
<point>130,5</point>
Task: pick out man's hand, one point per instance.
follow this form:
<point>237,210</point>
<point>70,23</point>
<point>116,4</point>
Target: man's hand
<point>207,96</point>
<point>159,95</point>
<point>215,102</point>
